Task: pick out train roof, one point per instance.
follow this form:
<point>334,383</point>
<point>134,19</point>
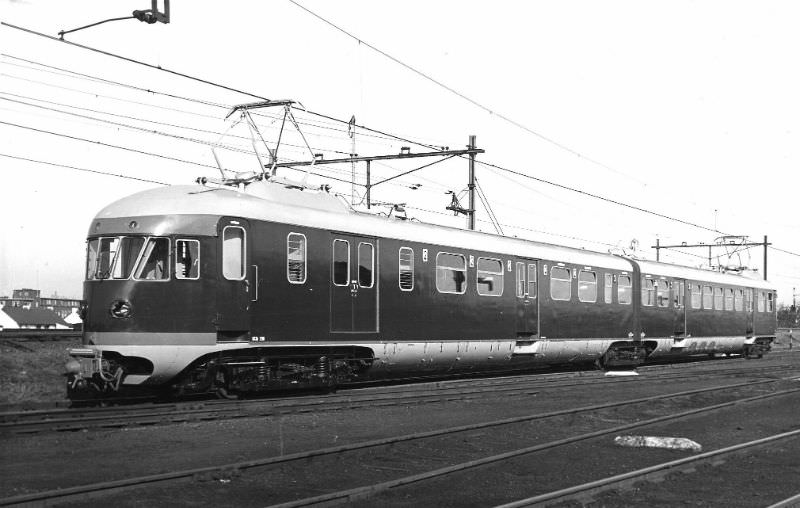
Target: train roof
<point>198,208</point>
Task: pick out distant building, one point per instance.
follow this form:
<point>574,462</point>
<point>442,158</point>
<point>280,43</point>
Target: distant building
<point>36,318</point>
<point>31,298</point>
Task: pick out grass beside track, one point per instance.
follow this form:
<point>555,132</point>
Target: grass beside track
<point>32,372</point>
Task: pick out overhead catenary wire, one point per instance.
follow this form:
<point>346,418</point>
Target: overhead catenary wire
<point>94,171</point>
<point>396,137</point>
<point>467,98</point>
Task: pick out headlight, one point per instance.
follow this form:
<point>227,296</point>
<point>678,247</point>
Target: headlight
<point>121,309</point>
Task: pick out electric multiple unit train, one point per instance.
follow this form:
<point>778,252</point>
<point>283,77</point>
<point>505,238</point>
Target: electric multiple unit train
<point>195,289</point>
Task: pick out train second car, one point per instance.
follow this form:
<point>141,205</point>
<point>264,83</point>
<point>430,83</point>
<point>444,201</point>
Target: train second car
<point>194,289</point>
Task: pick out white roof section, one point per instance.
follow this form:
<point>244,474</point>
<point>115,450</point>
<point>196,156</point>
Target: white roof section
<point>309,208</point>
<point>687,272</point>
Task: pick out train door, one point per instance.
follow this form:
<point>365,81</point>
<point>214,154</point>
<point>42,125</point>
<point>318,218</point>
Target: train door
<point>527,300</point>
<point>354,284</point>
<point>237,282</point>
<point>749,310</point>
<point>679,308</point>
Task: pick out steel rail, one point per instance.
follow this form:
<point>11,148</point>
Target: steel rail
<point>792,502</point>
<point>82,491</point>
<point>360,493</point>
<point>71,420</point>
<point>659,470</point>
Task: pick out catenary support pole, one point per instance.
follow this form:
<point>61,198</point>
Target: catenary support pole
<point>471,186</point>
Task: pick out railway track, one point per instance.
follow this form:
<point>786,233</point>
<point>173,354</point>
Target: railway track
<point>403,446</point>
<point>71,420</point>
<point>588,491</point>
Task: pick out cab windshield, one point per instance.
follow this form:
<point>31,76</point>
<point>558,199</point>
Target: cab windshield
<point>120,256</point>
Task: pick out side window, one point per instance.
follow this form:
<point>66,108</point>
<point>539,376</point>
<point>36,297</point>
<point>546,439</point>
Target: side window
<point>662,293</point>
<point>648,292</point>
<point>520,280</point>
<point>609,288</point>
<point>708,297</point>
<point>532,280</point>
<point>678,290</point>
<point>770,302</point>
<point>728,299</point>
<point>490,277</point>
<point>748,300</point>
<point>696,296</point>
<point>624,291</point>
<point>718,298</point>
<point>296,271</point>
<point>154,262</point>
<point>406,269</point>
<point>761,299</point>
<point>451,273</point>
<point>187,259</point>
<point>587,286</point>
<point>738,300</point>
<point>233,249</point>
<point>560,283</point>
<point>341,262</point>
<point>366,265</point>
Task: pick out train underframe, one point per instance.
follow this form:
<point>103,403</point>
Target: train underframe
<point>96,375</point>
<point>232,373</point>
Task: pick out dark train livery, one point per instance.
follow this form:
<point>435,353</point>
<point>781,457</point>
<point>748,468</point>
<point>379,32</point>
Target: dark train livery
<point>197,289</point>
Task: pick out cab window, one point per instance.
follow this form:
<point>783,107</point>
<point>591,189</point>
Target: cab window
<point>154,261</point>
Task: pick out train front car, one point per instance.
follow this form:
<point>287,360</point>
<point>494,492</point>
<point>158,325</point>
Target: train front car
<point>152,306</point>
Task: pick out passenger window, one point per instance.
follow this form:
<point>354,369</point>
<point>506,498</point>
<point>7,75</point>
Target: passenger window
<point>609,288</point>
<point>187,259</point>
<point>154,263</point>
<point>708,297</point>
<point>560,283</point>
<point>679,289</point>
<point>718,298</point>
<point>296,271</point>
<point>738,299</point>
<point>532,280</point>
<point>748,300</point>
<point>406,269</point>
<point>662,293</point>
<point>624,291</point>
<point>451,273</point>
<point>490,277</point>
<point>648,292</point>
<point>341,262</point>
<point>728,299</point>
<point>696,296</point>
<point>366,265</point>
<point>587,286</point>
<point>520,280</point>
<point>233,249</point>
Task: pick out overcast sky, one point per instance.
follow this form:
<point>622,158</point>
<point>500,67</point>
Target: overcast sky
<point>688,109</point>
